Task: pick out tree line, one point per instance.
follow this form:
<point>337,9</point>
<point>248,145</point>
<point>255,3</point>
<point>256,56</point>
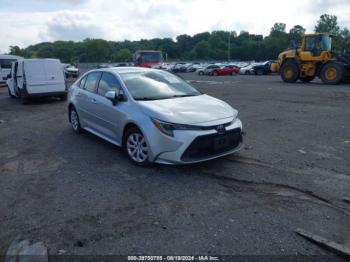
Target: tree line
<point>203,46</point>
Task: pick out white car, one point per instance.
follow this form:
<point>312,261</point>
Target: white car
<point>36,78</point>
<point>153,115</point>
<point>71,71</point>
<point>247,70</point>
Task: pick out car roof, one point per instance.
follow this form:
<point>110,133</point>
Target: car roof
<point>126,69</point>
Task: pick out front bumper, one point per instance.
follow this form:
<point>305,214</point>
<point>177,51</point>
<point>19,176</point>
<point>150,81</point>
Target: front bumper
<point>198,146</point>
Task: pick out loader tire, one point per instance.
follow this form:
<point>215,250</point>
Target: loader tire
<point>332,73</point>
<point>290,72</point>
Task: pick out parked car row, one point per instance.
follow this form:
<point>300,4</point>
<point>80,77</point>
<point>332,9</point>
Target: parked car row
<point>232,69</point>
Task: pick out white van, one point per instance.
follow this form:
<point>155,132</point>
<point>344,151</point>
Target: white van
<point>5,66</point>
<point>37,78</point>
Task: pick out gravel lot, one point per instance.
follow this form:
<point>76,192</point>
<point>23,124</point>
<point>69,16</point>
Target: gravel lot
<point>81,194</point>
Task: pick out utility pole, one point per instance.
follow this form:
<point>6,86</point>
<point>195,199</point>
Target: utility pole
<point>229,47</point>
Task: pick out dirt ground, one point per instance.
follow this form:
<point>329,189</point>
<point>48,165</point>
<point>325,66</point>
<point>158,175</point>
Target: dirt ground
<point>80,194</point>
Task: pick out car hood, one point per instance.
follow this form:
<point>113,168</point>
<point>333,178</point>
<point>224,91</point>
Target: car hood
<point>188,110</point>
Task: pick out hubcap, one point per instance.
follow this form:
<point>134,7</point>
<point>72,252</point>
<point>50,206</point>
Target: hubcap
<point>331,73</point>
<point>74,120</point>
<point>137,147</point>
<point>288,73</point>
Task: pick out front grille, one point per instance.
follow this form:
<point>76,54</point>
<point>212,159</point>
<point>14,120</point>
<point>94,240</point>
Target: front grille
<point>211,145</point>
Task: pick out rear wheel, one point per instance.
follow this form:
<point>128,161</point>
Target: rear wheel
<point>259,72</point>
<point>332,73</point>
<point>290,72</point>
<point>200,73</point>
<point>74,121</point>
<point>136,147</point>
<point>307,79</point>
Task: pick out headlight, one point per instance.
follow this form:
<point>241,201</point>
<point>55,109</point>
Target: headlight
<point>165,128</point>
<point>168,128</point>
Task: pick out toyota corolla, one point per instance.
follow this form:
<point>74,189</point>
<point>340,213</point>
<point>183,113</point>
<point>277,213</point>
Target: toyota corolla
<point>153,115</point>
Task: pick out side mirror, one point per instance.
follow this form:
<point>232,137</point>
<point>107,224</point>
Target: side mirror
<point>112,95</point>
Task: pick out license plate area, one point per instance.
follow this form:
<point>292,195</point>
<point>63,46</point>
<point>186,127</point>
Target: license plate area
<point>221,142</point>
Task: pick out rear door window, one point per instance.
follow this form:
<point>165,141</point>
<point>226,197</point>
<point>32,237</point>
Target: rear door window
<point>91,81</point>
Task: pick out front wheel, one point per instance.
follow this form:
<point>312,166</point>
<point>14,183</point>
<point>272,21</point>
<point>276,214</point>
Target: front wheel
<point>136,147</point>
<point>290,72</point>
<point>332,73</point>
<point>200,73</point>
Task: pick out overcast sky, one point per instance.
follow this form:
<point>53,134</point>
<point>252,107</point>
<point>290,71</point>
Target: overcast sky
<point>25,22</point>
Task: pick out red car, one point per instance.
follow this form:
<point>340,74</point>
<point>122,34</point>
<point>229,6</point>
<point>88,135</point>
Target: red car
<point>226,70</point>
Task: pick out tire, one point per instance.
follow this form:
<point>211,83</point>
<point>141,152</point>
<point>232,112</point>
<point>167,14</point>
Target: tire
<point>259,72</point>
<point>10,95</point>
<point>215,73</point>
<point>233,73</point>
<point>74,121</point>
<point>290,72</point>
<point>332,73</point>
<point>306,79</point>
<point>200,73</point>
<point>247,73</point>
<point>136,147</point>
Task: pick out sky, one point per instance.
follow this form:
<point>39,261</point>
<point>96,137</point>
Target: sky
<point>26,22</point>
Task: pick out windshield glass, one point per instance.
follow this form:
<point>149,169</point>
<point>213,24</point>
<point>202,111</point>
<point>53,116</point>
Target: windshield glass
<point>151,57</point>
<point>152,85</point>
<point>325,43</point>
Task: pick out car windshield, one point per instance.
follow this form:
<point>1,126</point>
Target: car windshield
<point>153,85</point>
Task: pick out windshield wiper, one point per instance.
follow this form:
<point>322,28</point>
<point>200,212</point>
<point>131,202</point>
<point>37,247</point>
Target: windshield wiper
<point>174,96</point>
<point>149,98</point>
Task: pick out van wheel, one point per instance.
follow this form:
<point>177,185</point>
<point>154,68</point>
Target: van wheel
<point>136,147</point>
<point>11,95</point>
<point>74,121</point>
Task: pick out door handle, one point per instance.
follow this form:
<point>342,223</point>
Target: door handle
<point>93,100</point>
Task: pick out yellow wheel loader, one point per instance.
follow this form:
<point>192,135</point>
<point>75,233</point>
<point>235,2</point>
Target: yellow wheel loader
<point>314,58</point>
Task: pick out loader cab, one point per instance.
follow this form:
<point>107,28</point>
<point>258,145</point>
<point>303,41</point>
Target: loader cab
<point>316,44</point>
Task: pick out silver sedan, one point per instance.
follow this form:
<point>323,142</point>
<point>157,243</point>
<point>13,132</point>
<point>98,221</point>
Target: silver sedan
<point>153,115</point>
